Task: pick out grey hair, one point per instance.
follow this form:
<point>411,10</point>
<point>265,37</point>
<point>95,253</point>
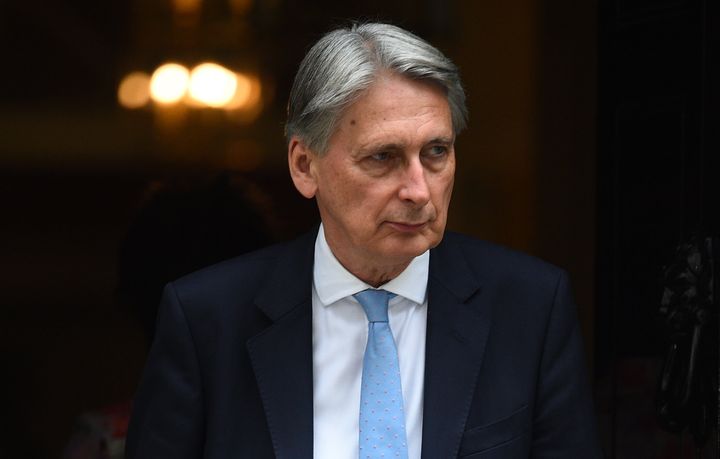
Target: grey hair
<point>346,61</point>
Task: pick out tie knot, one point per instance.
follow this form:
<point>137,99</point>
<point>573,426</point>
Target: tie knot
<point>375,304</point>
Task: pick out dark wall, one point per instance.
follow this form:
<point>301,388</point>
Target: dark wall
<point>657,172</point>
<point>74,166</point>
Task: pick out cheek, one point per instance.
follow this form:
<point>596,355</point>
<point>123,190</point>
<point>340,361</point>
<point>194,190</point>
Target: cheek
<point>448,192</point>
<point>444,192</point>
<point>371,196</point>
<point>341,189</point>
<point>358,203</point>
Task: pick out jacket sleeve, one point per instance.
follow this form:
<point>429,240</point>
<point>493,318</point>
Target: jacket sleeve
<point>564,425</point>
<point>167,415</point>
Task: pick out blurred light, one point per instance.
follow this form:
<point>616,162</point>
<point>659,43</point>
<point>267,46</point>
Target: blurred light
<point>243,89</point>
<point>247,94</point>
<point>186,6</point>
<point>134,90</point>
<point>212,84</point>
<point>169,83</point>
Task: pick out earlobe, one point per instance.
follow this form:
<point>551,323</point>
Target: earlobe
<point>300,160</point>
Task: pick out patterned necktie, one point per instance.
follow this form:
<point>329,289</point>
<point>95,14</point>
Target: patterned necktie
<point>382,420</point>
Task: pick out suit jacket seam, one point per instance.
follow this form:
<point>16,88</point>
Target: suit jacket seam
<point>541,361</point>
<point>553,304</point>
<point>181,307</point>
<point>498,445</point>
<point>497,421</point>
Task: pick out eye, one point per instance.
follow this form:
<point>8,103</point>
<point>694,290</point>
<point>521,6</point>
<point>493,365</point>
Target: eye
<point>437,151</point>
<point>380,156</point>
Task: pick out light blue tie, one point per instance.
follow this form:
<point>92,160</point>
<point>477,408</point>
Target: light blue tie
<point>382,420</point>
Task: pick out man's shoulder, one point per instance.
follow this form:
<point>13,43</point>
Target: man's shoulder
<point>244,275</point>
<point>251,263</point>
<point>517,284</point>
<point>491,260</point>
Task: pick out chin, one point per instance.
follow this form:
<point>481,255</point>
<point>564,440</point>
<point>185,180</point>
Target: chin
<point>407,247</point>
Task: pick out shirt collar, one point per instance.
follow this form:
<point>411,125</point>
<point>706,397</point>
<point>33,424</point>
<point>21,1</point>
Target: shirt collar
<point>333,282</point>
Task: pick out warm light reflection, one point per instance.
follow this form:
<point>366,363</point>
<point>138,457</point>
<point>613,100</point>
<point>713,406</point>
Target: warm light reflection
<point>169,83</point>
<point>212,84</point>
<point>243,155</point>
<point>242,92</point>
<point>207,85</point>
<point>247,93</point>
<point>186,6</point>
<point>240,7</point>
<point>134,90</point>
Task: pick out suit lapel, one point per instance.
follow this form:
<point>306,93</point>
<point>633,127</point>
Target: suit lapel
<point>282,354</point>
<point>457,330</point>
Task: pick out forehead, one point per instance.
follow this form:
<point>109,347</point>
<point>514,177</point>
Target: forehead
<point>398,109</point>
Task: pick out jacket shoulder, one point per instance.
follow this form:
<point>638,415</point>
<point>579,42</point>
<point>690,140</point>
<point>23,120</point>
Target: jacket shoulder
<point>478,249</point>
<point>243,267</point>
<point>493,261</point>
<point>234,281</point>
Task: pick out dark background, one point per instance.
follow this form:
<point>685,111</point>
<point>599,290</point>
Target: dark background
<point>592,143</point>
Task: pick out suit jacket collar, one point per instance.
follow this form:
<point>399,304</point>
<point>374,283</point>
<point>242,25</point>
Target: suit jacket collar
<point>281,355</point>
<point>457,330</point>
<point>290,283</point>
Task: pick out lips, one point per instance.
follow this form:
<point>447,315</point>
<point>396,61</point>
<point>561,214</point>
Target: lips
<point>407,227</point>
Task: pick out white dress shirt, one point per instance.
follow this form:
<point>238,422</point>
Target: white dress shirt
<point>340,329</point>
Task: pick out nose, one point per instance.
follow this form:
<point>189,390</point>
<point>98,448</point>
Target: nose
<point>414,188</point>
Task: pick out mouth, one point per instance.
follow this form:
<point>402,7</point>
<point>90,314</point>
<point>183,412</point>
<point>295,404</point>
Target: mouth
<point>407,227</point>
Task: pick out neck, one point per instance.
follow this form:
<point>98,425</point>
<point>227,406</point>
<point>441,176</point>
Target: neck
<point>367,269</point>
<point>376,276</point>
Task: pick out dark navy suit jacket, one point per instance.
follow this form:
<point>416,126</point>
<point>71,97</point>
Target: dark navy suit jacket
<point>229,374</point>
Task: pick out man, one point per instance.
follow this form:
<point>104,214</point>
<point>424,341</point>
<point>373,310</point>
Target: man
<point>378,334</point>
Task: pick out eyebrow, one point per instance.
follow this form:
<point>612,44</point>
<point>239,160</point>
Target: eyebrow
<point>442,140</point>
<point>392,146</point>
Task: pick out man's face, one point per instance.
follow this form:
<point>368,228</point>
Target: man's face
<point>384,184</point>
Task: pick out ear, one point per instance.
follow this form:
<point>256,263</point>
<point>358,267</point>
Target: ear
<point>300,161</point>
